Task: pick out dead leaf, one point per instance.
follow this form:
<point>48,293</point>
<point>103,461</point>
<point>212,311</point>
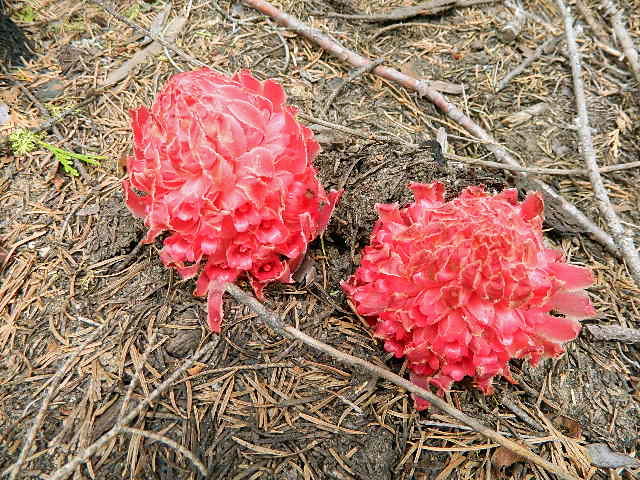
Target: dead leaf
<point>568,426</point>
<point>52,346</point>
<point>602,456</point>
<point>613,141</point>
<point>196,369</point>
<point>503,458</point>
<point>172,31</point>
<point>525,115</point>
<point>57,181</point>
<point>623,121</point>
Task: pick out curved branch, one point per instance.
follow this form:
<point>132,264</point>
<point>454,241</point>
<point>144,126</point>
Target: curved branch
<point>270,318</point>
<point>422,87</point>
<point>625,242</point>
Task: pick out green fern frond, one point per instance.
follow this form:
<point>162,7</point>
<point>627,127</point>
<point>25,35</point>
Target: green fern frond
<point>23,141</point>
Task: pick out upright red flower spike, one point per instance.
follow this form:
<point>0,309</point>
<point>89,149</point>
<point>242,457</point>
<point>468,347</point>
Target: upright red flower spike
<point>224,166</point>
<point>461,287</point>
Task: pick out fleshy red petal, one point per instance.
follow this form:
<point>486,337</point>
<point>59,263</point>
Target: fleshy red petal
<point>136,203</point>
<point>532,206</point>
<point>573,304</point>
<point>575,278</point>
<point>214,306</point>
<point>558,329</point>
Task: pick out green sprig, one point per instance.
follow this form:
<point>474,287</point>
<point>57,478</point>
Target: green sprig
<point>23,142</point>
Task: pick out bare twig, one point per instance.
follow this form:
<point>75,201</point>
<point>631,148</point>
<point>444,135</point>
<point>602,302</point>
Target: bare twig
<point>511,30</point>
<point>150,34</point>
<point>541,171</point>
<point>625,242</point>
<point>88,452</point>
<point>395,26</point>
<point>510,403</point>
<point>350,131</point>
<point>14,470</point>
<point>423,89</point>
<point>287,54</point>
<point>402,13</point>
<point>171,444</point>
<point>276,324</point>
<point>615,332</point>
<point>138,374</point>
<point>527,61</point>
<point>629,49</point>
<point>352,76</point>
<point>597,29</point>
<point>268,53</point>
<point>471,161</point>
<point>141,56</point>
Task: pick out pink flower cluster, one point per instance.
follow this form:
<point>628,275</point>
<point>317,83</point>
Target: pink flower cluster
<point>223,165</point>
<point>461,287</point>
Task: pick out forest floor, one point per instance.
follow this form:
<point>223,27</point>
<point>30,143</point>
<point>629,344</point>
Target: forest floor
<point>85,312</point>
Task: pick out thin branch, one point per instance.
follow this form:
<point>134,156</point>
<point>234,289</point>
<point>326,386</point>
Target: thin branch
<point>171,444</point>
<point>424,90</point>
<point>395,26</point>
<point>287,53</point>
<point>629,49</point>
<point>596,28</point>
<point>527,61</point>
<point>147,53</point>
<point>402,13</point>
<point>271,319</point>
<point>87,453</point>
<point>137,377</point>
<point>625,242</point>
<point>352,76</point>
<point>352,131</point>
<point>542,171</point>
<point>468,160</point>
<point>168,45</point>
<point>615,332</point>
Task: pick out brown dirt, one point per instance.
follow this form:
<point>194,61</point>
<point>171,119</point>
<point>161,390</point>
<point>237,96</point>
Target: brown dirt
<point>259,406</point>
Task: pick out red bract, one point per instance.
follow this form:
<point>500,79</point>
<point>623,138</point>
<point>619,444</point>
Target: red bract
<point>223,165</point>
<point>461,287</point>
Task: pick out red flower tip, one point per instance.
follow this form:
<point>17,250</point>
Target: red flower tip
<point>224,166</point>
<point>461,287</point>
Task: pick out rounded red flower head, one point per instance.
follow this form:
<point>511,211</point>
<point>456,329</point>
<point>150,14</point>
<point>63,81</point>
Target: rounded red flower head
<point>461,287</point>
<point>222,164</point>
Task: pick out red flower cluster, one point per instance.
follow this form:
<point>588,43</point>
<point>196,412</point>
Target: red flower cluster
<point>461,287</point>
<point>224,166</point>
